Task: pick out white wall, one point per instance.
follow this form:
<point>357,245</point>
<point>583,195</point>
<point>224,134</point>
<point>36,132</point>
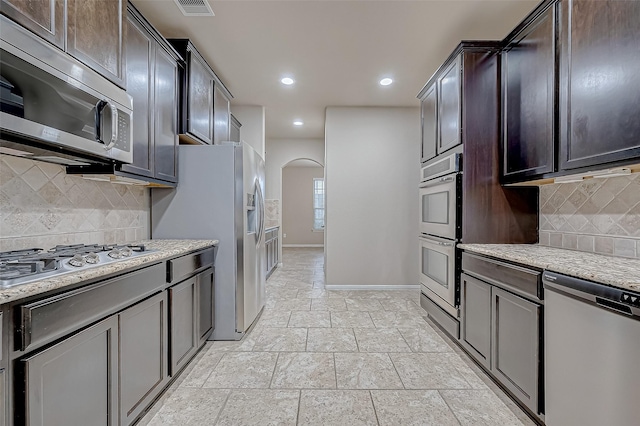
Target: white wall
<point>297,206</point>
<point>252,130</point>
<point>280,152</point>
<point>372,173</point>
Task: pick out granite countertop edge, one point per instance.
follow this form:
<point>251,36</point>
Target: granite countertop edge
<point>163,250</point>
<point>620,272</point>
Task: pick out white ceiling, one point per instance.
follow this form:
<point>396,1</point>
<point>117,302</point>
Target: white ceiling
<point>337,51</point>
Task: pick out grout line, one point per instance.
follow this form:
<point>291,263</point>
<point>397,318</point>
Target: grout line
<point>397,372</point>
<point>224,404</point>
<point>373,405</point>
<point>448,406</point>
<point>273,373</point>
<point>299,402</point>
<point>353,331</point>
<point>335,369</point>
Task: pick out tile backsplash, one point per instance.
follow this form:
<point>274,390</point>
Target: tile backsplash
<point>272,213</point>
<point>41,206</point>
<point>595,215</point>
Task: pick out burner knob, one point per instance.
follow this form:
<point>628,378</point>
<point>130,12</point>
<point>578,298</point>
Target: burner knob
<point>115,254</point>
<point>92,258</point>
<point>77,261</point>
<point>126,251</point>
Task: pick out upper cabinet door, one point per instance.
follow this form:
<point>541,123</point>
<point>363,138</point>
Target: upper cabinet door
<point>221,116</point>
<point>449,107</point>
<point>200,99</point>
<point>528,87</point>
<point>95,35</point>
<point>429,119</point>
<point>599,89</point>
<point>166,116</point>
<point>44,17</point>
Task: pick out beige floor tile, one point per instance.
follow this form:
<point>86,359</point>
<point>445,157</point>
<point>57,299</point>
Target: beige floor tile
<point>465,371</point>
<point>412,408</point>
<point>191,407</point>
<point>254,407</point>
<point>243,370</point>
<point>336,408</point>
<point>304,370</point>
<point>400,304</point>
<point>314,293</point>
<point>309,319</point>
<point>366,371</point>
<point>202,370</point>
<point>351,319</point>
<point>424,339</point>
<point>336,304</point>
<point>396,319</point>
<point>479,408</point>
<point>281,339</point>
<point>293,305</point>
<point>380,340</point>
<point>428,371</point>
<point>363,305</point>
<point>275,318</point>
<point>331,340</point>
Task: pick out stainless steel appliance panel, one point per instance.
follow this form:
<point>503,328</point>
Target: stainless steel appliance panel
<point>220,197</point>
<point>592,345</point>
<point>437,271</point>
<point>439,207</point>
<point>55,108</point>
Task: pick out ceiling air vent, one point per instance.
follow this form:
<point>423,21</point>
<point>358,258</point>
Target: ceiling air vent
<point>195,7</point>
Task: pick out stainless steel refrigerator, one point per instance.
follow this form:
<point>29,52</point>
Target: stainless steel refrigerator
<point>220,196</point>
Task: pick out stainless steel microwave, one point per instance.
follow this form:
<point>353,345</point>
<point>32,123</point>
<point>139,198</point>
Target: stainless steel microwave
<point>54,108</point>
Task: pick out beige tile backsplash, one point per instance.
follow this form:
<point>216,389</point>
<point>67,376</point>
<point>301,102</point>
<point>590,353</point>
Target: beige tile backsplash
<point>272,213</point>
<point>595,215</point>
<point>41,206</point>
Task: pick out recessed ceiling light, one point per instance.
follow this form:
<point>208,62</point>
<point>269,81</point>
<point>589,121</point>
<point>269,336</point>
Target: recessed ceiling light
<point>287,80</point>
<point>386,81</point>
<point>298,123</point>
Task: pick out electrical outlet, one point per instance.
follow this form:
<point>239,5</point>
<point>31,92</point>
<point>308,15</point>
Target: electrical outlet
<point>284,235</point>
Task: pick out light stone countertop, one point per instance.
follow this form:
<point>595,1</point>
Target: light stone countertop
<point>165,249</point>
<point>617,272</point>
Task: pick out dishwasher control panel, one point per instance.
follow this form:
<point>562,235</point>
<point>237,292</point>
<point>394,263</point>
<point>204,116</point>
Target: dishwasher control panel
<point>630,299</point>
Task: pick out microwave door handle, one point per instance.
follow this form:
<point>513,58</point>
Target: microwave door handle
<point>100,106</point>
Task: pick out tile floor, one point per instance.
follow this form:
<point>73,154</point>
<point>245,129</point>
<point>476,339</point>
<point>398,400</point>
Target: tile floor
<point>327,357</point>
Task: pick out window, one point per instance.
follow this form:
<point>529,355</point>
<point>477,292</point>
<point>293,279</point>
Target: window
<point>318,204</point>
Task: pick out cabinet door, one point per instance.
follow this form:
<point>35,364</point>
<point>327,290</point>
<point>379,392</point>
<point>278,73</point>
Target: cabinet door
<point>143,355</point>
<point>200,99</point>
<point>428,109</point>
<point>44,17</point>
<point>166,116</point>
<point>528,93</point>
<point>449,111</point>
<point>88,396</point>
<point>140,51</point>
<point>206,304</point>
<point>516,346</point>
<point>221,116</point>
<point>599,95</point>
<point>3,395</point>
<point>234,132</point>
<point>95,35</point>
<point>182,317</point>
<point>475,304</point>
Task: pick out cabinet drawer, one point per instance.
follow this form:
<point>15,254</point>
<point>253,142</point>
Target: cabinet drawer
<point>523,281</point>
<point>185,266</point>
<point>46,320</point>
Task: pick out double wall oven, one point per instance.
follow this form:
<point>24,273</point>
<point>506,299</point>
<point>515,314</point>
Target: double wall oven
<point>440,230</point>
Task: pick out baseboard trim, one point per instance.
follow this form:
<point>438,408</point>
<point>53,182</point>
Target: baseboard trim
<point>302,245</point>
<point>372,287</point>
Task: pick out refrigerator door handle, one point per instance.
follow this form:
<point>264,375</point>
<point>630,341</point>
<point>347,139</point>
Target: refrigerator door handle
<point>260,206</point>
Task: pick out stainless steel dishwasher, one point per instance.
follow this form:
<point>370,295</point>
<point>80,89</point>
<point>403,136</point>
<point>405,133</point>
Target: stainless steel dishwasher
<point>592,350</point>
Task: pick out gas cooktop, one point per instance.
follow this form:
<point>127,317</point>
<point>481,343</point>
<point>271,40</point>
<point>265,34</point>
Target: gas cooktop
<point>28,265</point>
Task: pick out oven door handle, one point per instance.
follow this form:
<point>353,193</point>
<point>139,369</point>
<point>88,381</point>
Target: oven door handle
<point>437,181</point>
<point>435,241</point>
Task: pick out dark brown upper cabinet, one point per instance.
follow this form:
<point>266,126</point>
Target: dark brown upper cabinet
<point>204,116</point>
<point>528,98</point>
<point>92,31</point>
<point>599,83</point>
<point>46,19</point>
<point>449,107</point>
<point>152,82</point>
<point>429,115</point>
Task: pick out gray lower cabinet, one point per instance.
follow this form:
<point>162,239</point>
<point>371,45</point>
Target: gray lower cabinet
<point>516,345</point>
<point>475,333</point>
<point>206,302</point>
<point>143,355</point>
<point>3,409</point>
<point>182,314</point>
<point>92,389</point>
